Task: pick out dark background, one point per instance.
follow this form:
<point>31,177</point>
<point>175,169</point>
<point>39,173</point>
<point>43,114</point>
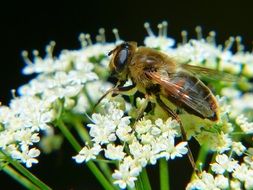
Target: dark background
<point>28,26</point>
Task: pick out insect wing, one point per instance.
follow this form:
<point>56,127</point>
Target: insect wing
<point>183,93</point>
<point>208,73</point>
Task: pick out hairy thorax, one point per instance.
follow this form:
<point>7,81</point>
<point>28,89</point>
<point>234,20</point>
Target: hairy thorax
<point>148,60</point>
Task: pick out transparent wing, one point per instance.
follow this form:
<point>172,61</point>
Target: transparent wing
<point>180,88</point>
<point>209,73</point>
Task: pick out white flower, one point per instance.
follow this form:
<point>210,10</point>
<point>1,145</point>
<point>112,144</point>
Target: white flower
<point>244,174</point>
<point>102,130</point>
<point>241,172</point>
<point>33,112</point>
<point>87,153</point>
<point>208,181</point>
<point>169,128</point>
<point>114,152</point>
<point>230,92</point>
<point>246,126</point>
<point>6,138</point>
<point>124,133</point>
<point>142,153</point>
<point>221,182</point>
<point>26,155</point>
<point>26,137</point>
<point>22,122</point>
<point>197,51</point>
<point>127,174</point>
<point>243,102</point>
<point>104,127</point>
<point>81,77</point>
<point>235,185</point>
<point>224,164</point>
<point>238,148</point>
<point>248,184</point>
<point>174,151</point>
<point>216,142</point>
<point>249,158</point>
<point>143,126</point>
<point>159,42</point>
<point>244,58</point>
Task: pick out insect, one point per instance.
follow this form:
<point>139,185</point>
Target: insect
<point>156,74</point>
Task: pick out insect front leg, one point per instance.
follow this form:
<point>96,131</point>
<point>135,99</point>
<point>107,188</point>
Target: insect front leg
<point>117,90</point>
<point>176,117</point>
<point>131,90</point>
<point>125,90</point>
<point>141,110</point>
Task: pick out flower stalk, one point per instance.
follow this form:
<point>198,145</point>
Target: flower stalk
<point>93,168</point>
<point>25,173</point>
<point>19,178</point>
<point>145,180</point>
<point>164,175</point>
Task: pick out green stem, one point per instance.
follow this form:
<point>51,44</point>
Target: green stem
<point>164,174</point>
<point>138,184</point>
<point>99,175</point>
<point>84,135</point>
<point>106,170</point>
<point>91,103</point>
<point>26,172</point>
<point>81,130</point>
<point>145,180</point>
<point>19,178</point>
<point>203,152</point>
<point>202,156</point>
<point>65,131</point>
<point>212,160</point>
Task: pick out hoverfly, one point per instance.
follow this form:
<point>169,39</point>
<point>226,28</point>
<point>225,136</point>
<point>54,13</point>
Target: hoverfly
<point>156,74</point>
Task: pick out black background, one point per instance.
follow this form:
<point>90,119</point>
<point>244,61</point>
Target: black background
<point>28,26</point>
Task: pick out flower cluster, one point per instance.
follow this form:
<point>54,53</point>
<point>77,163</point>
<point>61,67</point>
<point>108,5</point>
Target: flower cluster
<point>242,174</point>
<point>69,79</point>
<point>65,77</point>
<point>21,123</point>
<point>133,145</point>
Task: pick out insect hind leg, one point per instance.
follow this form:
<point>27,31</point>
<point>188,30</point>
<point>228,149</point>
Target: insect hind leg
<point>175,116</point>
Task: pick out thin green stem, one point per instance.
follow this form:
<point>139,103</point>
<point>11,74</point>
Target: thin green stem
<point>65,131</point>
<point>84,135</point>
<point>26,172</point>
<point>138,184</point>
<point>99,175</point>
<point>91,103</point>
<point>145,180</point>
<point>106,170</point>
<point>203,152</point>
<point>212,160</point>
<point>81,130</point>
<point>164,174</point>
<point>238,133</point>
<point>19,178</point>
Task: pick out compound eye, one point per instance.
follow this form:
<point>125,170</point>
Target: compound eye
<point>121,59</point>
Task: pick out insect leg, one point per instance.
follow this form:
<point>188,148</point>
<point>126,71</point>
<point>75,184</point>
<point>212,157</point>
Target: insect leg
<point>142,108</point>
<point>124,90</point>
<point>115,91</point>
<point>175,116</point>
